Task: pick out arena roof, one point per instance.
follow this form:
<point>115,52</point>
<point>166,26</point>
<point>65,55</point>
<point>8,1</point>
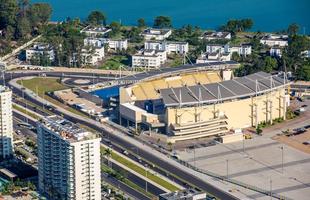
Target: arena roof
<point>214,92</point>
<point>173,70</point>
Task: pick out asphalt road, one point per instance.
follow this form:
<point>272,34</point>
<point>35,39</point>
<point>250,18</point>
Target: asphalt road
<point>138,181</point>
<point>199,183</point>
<point>113,181</point>
<point>123,187</point>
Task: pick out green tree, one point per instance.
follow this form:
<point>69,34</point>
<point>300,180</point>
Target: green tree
<point>23,5</point>
<point>235,26</point>
<point>246,24</point>
<point>293,29</point>
<point>259,130</point>
<point>23,28</point>
<point>67,41</point>
<point>235,56</point>
<point>141,23</point>
<point>9,33</point>
<point>162,22</point>
<point>292,54</point>
<point>116,29</point>
<point>108,154</point>
<point>8,13</point>
<point>270,64</point>
<point>303,73</point>
<point>96,18</point>
<point>39,14</point>
<point>133,35</point>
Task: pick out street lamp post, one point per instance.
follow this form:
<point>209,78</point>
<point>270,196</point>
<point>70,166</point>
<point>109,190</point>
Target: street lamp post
<point>227,168</point>
<point>270,189</point>
<point>146,177</point>
<point>243,142</point>
<point>282,152</point>
<point>194,156</point>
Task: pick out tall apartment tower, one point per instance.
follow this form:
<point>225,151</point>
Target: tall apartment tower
<point>69,160</point>
<point>6,123</point>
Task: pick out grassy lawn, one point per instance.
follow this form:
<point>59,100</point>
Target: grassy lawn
<point>25,112</point>
<point>141,171</point>
<point>114,62</point>
<point>41,85</point>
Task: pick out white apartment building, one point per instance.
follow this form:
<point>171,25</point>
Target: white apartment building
<point>69,160</point>
<point>6,122</point>
<point>213,57</point>
<point>116,44</point>
<point>213,35</point>
<point>149,58</point>
<point>112,43</point>
<point>92,56</point>
<point>275,40</point>
<point>242,50</point>
<point>98,31</point>
<point>169,46</point>
<point>212,48</point>
<point>275,52</point>
<point>40,49</point>
<point>156,34</point>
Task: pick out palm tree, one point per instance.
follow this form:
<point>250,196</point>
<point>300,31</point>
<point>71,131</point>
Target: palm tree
<point>108,153</point>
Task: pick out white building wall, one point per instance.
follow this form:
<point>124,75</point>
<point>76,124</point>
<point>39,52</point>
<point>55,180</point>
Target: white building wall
<point>112,44</point>
<point>93,58</point>
<point>72,169</point>
<point>6,122</point>
<point>215,48</point>
<point>275,52</point>
<point>152,59</point>
<point>87,169</point>
<point>30,53</point>
<point>156,34</point>
<point>169,46</point>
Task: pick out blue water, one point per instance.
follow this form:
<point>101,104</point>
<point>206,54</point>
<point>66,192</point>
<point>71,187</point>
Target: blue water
<point>106,93</point>
<point>268,15</point>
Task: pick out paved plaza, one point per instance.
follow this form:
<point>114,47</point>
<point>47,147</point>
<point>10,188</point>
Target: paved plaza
<point>258,164</point>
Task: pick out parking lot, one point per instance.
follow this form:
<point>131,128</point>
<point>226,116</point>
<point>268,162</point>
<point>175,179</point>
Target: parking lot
<point>264,161</point>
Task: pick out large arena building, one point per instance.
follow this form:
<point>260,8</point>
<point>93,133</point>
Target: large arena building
<point>195,101</point>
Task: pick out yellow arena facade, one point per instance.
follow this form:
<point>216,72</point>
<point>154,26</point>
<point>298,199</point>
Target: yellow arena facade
<point>200,101</point>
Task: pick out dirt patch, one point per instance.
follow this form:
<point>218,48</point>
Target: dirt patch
<point>296,141</point>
